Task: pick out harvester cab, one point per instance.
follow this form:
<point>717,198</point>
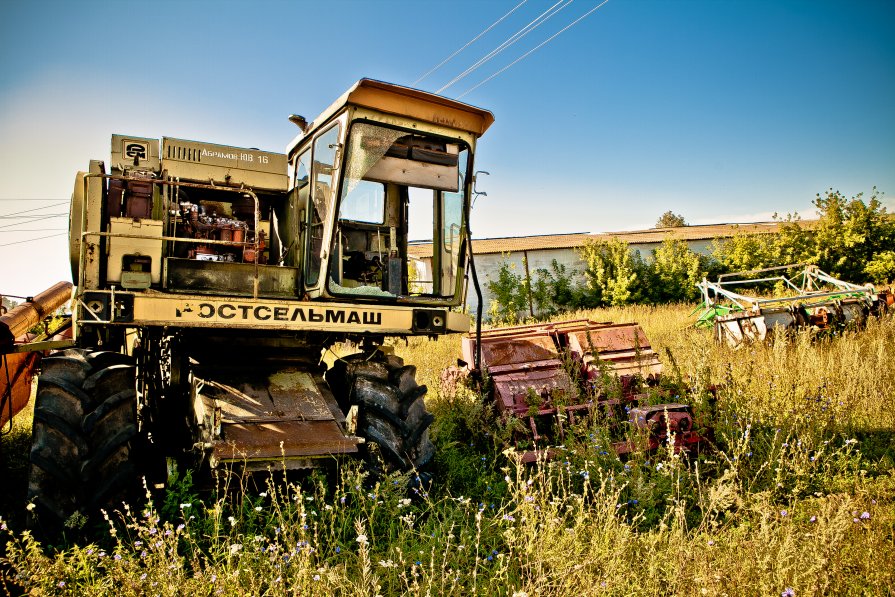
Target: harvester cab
<point>211,279</point>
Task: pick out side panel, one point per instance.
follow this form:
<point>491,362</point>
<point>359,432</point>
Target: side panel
<point>85,216</point>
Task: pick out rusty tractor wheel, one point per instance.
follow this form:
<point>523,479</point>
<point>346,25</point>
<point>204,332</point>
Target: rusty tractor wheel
<point>392,414</point>
<point>83,432</point>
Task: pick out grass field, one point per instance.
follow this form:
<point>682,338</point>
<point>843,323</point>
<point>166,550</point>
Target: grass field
<point>797,498</point>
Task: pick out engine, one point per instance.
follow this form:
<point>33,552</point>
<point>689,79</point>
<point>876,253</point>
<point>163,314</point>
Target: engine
<point>231,225</point>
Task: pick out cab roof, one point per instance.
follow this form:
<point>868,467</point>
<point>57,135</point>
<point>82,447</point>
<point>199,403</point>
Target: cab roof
<point>403,101</point>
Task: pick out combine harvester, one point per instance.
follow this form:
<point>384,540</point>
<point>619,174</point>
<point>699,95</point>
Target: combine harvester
<point>550,376</point>
<point>813,300</point>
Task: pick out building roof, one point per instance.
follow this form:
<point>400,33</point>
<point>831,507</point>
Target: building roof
<point>485,246</point>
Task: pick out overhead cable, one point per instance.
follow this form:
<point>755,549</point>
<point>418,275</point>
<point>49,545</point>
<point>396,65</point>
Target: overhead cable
<point>28,240</point>
<point>30,199</point>
<point>537,22</point>
<point>24,211</point>
<point>467,44</point>
<point>31,230</point>
<point>540,45</point>
<point>30,220</point>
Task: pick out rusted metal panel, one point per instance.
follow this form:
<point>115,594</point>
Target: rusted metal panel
<point>513,389</point>
<point>16,394</point>
<point>283,440</point>
<point>281,395</point>
<point>622,349</point>
<point>262,417</point>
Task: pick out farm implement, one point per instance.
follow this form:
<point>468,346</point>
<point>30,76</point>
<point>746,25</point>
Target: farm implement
<point>812,299</point>
<point>21,350</point>
<point>551,376</point>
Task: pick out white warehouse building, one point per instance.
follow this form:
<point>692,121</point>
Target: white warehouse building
<point>530,253</point>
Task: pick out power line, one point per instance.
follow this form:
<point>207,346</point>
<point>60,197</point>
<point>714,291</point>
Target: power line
<point>467,44</point>
<point>24,211</point>
<point>537,22</point>
<point>31,199</point>
<point>30,220</point>
<point>28,240</point>
<point>32,230</point>
<point>540,45</point>
<point>31,217</point>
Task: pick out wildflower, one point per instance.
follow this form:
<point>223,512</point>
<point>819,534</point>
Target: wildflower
<point>520,594</point>
<point>235,547</point>
<point>788,592</point>
<point>418,563</point>
<point>89,552</point>
<point>362,539</point>
<point>143,576</point>
<point>812,519</point>
<point>342,500</point>
<point>168,532</point>
<point>232,521</point>
<point>138,543</point>
<point>711,542</point>
<point>181,526</point>
<point>185,506</point>
<point>30,507</point>
<point>263,494</point>
<point>257,508</point>
<point>783,512</point>
<point>508,517</point>
<point>117,556</point>
<point>316,577</point>
<point>338,550</point>
<point>61,583</point>
<point>865,515</point>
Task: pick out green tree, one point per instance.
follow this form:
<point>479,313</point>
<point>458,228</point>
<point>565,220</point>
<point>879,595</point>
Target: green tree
<point>744,251</point>
<point>509,295</point>
<point>850,233</point>
<point>555,290</point>
<point>613,273</point>
<point>670,220</point>
<point>675,272</point>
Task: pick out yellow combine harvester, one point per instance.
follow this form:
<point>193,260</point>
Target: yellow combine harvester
<point>211,279</point>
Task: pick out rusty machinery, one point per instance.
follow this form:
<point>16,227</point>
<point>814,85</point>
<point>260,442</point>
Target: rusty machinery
<point>550,376</point>
<point>210,281</point>
<point>809,299</point>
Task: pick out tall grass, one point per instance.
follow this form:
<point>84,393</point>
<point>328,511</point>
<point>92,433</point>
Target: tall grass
<point>798,497</point>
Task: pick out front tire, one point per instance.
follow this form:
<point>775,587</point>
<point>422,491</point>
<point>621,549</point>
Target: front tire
<point>392,414</point>
<point>83,437</point>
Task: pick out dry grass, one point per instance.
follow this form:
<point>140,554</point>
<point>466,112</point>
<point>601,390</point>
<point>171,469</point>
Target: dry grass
<point>798,498</point>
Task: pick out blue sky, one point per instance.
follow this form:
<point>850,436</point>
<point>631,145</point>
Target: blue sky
<point>718,110</point>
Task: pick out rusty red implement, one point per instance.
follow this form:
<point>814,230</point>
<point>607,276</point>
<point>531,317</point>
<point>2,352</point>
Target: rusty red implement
<point>550,375</point>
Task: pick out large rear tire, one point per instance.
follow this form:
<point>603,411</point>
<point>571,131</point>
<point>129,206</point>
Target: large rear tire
<point>84,431</point>
<point>392,414</point>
